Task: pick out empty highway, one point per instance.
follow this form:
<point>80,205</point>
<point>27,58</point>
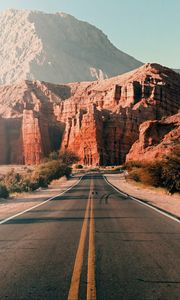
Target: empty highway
<point>90,243</point>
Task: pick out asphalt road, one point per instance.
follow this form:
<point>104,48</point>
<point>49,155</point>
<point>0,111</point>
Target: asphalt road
<point>82,246</point>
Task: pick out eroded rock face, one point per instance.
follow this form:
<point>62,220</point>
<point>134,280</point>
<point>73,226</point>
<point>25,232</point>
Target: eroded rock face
<point>98,120</point>
<point>56,48</point>
<point>36,142</point>
<point>11,141</point>
<point>157,140</point>
<point>2,142</point>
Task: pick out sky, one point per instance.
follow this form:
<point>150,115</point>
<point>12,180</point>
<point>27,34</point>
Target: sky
<point>145,29</point>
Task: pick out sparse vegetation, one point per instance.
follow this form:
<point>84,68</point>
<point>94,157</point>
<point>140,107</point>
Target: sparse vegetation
<point>3,191</point>
<point>96,169</point>
<point>55,166</point>
<point>165,173</point>
<point>79,167</point>
<point>12,181</point>
<point>171,173</point>
<point>68,157</point>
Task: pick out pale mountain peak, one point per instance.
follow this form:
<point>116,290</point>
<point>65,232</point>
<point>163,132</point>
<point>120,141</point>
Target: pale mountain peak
<point>57,48</point>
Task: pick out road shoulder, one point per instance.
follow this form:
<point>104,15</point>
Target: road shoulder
<point>21,202</point>
<point>157,198</point>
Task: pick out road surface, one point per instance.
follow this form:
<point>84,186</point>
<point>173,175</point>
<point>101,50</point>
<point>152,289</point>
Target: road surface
<point>83,246</point>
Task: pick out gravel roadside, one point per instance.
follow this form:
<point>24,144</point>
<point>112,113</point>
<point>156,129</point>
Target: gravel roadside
<point>154,196</point>
<point>21,202</point>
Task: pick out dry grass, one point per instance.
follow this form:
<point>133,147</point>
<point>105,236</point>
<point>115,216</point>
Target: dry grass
<point>163,173</point>
<point>4,169</point>
<point>141,185</point>
<point>143,175</point>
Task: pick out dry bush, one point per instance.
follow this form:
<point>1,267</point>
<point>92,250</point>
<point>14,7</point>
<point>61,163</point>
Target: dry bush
<point>165,173</point>
<point>154,171</point>
<point>3,191</point>
<point>41,176</point>
<point>12,181</point>
<point>51,170</point>
<point>171,173</point>
<point>78,166</point>
<point>68,157</point>
<point>134,175</point>
<point>133,164</point>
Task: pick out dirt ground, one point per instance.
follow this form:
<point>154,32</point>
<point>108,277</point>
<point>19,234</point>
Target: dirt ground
<point>20,202</point>
<point>18,168</point>
<point>155,196</point>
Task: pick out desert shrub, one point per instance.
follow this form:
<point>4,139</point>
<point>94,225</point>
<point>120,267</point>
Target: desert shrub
<point>3,191</point>
<point>32,183</point>
<point>165,173</point>
<point>154,172</point>
<point>41,176</point>
<point>149,174</point>
<point>119,169</point>
<point>171,173</point>
<point>79,167</point>
<point>54,155</point>
<point>38,180</point>
<point>28,185</point>
<point>68,157</point>
<point>146,177</point>
<point>68,172</point>
<point>46,172</point>
<point>13,181</point>
<point>45,160</point>
<point>27,170</point>
<point>51,170</point>
<point>133,164</point>
<point>134,175</point>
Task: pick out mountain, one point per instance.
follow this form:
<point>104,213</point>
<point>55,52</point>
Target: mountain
<point>99,120</point>
<point>177,70</point>
<point>56,48</point>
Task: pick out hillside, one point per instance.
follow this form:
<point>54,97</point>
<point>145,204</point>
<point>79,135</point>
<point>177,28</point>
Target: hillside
<point>56,48</point>
<point>177,70</point>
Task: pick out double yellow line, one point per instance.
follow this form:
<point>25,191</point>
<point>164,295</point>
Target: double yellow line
<point>76,276</point>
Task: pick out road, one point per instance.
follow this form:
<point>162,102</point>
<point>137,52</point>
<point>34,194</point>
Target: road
<point>78,247</point>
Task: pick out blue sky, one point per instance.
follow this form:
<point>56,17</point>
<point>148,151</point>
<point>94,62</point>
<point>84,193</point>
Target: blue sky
<point>145,29</point>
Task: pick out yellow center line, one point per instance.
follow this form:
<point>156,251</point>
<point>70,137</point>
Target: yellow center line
<point>75,281</point>
<point>91,284</point>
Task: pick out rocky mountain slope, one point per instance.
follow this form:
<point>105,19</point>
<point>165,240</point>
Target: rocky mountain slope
<point>177,70</point>
<point>56,48</point>
<point>157,140</point>
<point>98,120</point>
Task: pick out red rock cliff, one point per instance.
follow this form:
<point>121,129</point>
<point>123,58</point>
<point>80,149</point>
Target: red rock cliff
<point>157,140</point>
<point>3,142</point>
<point>98,120</point>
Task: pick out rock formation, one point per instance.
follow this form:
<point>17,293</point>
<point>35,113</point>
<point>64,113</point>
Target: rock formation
<point>157,140</point>
<point>177,70</point>
<point>56,48</point>
<point>11,141</point>
<point>98,120</point>
<point>2,142</point>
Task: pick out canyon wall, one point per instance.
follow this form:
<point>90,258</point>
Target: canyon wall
<point>157,140</point>
<point>97,120</point>
<point>3,142</point>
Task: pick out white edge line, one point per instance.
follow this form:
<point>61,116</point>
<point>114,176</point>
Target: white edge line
<point>42,203</point>
<point>143,203</point>
<point>114,187</point>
